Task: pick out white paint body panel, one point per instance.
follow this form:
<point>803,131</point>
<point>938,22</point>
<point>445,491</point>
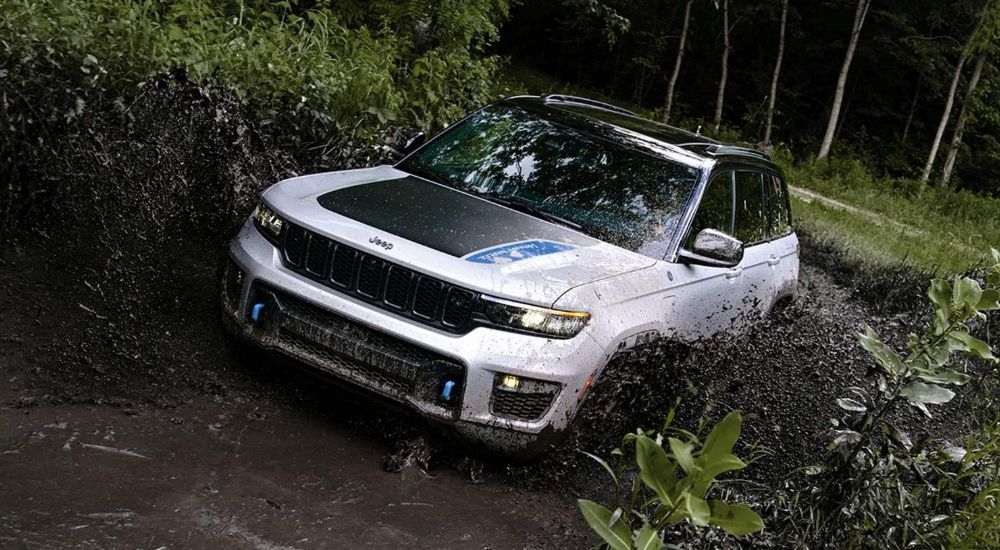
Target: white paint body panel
<point>627,294</point>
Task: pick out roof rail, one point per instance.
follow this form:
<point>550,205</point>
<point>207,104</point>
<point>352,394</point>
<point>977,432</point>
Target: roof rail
<point>585,101</point>
<point>735,150</point>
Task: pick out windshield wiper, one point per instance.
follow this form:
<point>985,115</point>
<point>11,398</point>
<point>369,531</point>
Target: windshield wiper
<point>529,209</point>
<point>426,174</point>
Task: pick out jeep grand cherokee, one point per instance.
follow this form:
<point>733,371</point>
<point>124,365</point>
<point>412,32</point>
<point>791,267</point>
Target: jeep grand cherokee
<point>488,278</point>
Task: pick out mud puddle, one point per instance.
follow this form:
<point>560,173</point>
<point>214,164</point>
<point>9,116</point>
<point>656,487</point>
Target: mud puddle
<point>249,474</point>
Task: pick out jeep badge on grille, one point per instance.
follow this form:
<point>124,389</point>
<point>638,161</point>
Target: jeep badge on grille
<point>379,242</point>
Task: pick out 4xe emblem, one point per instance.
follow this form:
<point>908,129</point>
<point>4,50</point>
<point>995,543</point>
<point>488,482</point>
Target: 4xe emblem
<point>379,242</point>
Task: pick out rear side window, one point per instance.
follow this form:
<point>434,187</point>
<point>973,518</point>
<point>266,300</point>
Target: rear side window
<point>751,219</point>
<point>716,208</point>
<point>778,218</point>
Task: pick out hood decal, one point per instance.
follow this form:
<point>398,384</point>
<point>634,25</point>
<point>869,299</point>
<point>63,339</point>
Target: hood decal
<point>448,220</point>
<point>509,253</point>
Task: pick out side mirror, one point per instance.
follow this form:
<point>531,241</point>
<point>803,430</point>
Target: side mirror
<point>413,143</point>
<point>714,249</point>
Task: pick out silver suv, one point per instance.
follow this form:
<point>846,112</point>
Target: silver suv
<point>488,278</point>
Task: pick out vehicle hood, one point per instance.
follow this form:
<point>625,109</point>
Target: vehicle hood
<point>450,234</point>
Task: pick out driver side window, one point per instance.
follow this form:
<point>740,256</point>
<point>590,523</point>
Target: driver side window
<point>717,207</point>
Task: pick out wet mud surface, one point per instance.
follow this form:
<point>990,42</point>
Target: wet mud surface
<point>127,420</point>
<point>189,444</point>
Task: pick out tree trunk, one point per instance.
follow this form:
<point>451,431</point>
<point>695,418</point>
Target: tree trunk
<point>777,71</point>
<point>913,108</point>
<point>944,121</point>
<point>677,64</point>
<point>725,65</point>
<point>838,96</point>
<point>963,111</point>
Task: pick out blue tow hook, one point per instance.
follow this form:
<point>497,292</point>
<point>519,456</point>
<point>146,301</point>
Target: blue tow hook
<point>256,311</point>
<point>446,390</point>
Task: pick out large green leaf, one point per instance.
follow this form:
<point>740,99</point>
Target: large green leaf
<point>890,361</point>
<point>710,469</point>
<point>697,509</point>
<point>682,452</point>
<point>735,519</point>
<point>990,300</point>
<point>943,375</point>
<point>655,468</point>
<point>966,293</point>
<point>617,534</point>
<point>919,392</point>
<point>646,538</point>
<point>974,346</point>
<point>723,436</point>
<point>851,405</point>
<point>940,294</point>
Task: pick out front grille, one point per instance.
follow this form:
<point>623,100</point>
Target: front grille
<point>390,366</point>
<point>528,402</point>
<point>369,278</point>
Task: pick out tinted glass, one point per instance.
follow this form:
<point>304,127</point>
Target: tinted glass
<point>619,194</point>
<point>778,218</point>
<point>716,208</point>
<point>751,221</point>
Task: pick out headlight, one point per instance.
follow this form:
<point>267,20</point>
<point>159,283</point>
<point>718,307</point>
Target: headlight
<point>538,320</point>
<point>267,222</point>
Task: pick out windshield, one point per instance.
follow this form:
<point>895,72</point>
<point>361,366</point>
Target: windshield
<point>616,193</point>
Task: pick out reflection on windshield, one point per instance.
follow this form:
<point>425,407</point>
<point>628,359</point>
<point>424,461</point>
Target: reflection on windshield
<point>615,193</point>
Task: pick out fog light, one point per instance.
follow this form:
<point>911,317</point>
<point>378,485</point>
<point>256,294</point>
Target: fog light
<point>510,382</point>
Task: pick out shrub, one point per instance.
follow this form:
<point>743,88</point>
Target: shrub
<point>879,488</point>
<point>325,82</point>
<point>656,487</point>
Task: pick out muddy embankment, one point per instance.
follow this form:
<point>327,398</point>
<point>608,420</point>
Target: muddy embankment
<point>110,298</point>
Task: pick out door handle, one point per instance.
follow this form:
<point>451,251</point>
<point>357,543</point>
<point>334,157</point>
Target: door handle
<point>773,261</point>
<point>734,272</point>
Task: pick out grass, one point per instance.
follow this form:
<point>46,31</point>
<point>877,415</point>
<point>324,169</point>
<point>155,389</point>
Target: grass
<point>895,221</point>
<point>880,243</point>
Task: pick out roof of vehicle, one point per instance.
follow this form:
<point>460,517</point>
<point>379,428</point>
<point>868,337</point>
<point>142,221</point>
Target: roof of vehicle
<point>614,115</point>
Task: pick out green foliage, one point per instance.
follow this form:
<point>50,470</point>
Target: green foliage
<point>880,488</point>
<point>332,82</point>
<point>903,219</point>
<point>656,487</point>
<point>306,72</point>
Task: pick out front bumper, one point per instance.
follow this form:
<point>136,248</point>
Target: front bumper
<point>406,361</point>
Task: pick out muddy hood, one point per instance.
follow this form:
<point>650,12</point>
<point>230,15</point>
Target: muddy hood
<point>449,234</point>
